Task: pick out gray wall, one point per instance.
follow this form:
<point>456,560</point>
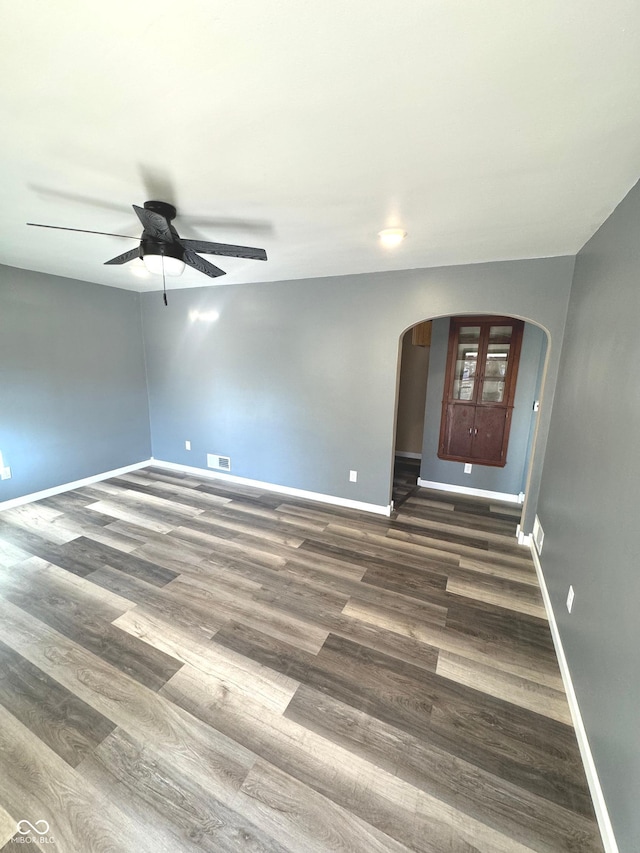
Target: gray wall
<point>589,506</point>
<point>297,380</point>
<point>512,478</point>
<point>73,397</point>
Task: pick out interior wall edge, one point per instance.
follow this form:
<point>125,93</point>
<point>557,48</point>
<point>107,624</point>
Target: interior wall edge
<point>597,794</point>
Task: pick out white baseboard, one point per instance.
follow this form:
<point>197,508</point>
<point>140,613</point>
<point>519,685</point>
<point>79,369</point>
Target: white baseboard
<point>405,454</point>
<point>200,472</point>
<point>599,804</point>
<point>523,538</point>
<point>67,487</point>
<point>466,490</point>
<point>273,487</point>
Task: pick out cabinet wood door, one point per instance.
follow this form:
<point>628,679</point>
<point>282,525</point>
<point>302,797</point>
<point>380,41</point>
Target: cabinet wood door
<point>479,390</point>
<point>488,433</point>
<point>460,423</point>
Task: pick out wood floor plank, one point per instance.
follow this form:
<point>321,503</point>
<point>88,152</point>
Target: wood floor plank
<point>36,519</point>
<point>87,622</point>
<point>442,549</point>
<point>333,674</point>
<point>38,785</point>
<point>254,529</point>
<point>281,520</point>
<point>80,522</point>
<point>420,822</point>
<point>69,726</point>
<point>266,686</point>
<point>181,493</point>
<point>91,555</point>
<point>248,610</point>
<point>496,624</point>
<point>110,535</point>
<point>178,557</point>
<point>226,545</point>
<point>69,584</point>
<point>363,549</point>
<point>490,799</point>
<point>484,649</point>
<point>146,519</point>
<point>306,820</point>
<point>188,616</point>
<point>147,716</point>
<point>164,505</point>
<point>11,554</point>
<point>521,573</point>
<point>31,543</point>
<point>178,810</point>
<point>521,597</point>
<point>521,691</point>
<point>462,526</point>
<point>7,827</point>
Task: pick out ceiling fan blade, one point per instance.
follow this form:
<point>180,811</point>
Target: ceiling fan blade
<point>225,249</point>
<point>154,224</point>
<point>82,230</point>
<point>124,258</point>
<point>201,265</point>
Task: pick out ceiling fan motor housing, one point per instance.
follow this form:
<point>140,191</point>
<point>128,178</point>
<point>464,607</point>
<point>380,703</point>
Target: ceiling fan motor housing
<point>163,208</point>
<point>151,246</point>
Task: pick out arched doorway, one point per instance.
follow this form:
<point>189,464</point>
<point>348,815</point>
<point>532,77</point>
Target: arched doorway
<point>508,483</point>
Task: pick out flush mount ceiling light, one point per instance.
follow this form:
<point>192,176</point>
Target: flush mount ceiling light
<point>391,237</point>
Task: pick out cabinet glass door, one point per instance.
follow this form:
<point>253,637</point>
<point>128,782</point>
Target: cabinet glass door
<point>464,380</point>
<point>496,363</point>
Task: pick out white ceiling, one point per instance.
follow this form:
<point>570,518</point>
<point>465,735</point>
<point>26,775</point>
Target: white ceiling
<point>487,130</point>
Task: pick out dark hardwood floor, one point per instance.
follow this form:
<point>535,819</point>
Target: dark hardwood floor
<point>187,665</point>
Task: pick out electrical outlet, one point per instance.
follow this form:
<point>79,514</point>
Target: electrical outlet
<point>467,467</point>
<point>5,473</point>
<point>353,476</point>
<point>571,595</point>
<point>187,445</point>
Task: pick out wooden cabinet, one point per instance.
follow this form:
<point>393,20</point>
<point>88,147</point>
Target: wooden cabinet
<point>479,389</point>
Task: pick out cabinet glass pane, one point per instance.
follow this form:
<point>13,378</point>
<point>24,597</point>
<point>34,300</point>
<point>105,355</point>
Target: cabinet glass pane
<point>466,363</point>
<point>495,367</point>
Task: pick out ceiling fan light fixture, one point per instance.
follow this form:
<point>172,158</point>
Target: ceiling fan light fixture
<point>162,257</point>
<point>155,264</point>
<point>139,269</point>
<point>391,237</point>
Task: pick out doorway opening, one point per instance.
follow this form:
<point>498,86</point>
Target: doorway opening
<point>415,346</point>
<point>418,460</point>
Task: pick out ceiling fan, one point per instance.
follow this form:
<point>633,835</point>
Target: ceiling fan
<point>162,249</point>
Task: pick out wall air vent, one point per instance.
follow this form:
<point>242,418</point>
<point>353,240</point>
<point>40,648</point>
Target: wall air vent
<point>222,463</point>
<point>538,535</point>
